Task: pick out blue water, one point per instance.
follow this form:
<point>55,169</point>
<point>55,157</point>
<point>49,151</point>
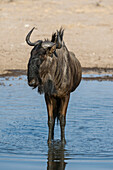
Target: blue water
<point>24,129</point>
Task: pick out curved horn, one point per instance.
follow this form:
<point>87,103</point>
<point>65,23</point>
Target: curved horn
<point>28,39</point>
<point>47,44</point>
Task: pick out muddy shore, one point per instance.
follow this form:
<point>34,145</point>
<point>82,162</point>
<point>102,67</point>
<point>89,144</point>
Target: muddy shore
<point>99,74</point>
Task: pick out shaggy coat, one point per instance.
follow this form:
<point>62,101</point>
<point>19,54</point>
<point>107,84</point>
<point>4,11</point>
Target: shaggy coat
<point>60,75</point>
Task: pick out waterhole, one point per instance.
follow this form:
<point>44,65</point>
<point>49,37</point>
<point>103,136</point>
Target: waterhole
<point>24,129</point>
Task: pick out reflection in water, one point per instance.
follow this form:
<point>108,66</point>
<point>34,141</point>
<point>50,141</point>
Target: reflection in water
<point>56,156</point>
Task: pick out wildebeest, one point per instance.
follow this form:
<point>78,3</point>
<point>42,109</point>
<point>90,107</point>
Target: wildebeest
<point>56,72</point>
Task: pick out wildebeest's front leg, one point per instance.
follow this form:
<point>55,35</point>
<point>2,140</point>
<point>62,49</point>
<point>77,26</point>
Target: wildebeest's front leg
<point>51,121</point>
<point>63,109</point>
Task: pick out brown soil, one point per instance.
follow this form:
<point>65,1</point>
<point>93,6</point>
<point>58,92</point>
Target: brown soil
<point>88,30</point>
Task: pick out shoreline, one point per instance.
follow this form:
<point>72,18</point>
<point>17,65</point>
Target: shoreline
<point>94,73</point>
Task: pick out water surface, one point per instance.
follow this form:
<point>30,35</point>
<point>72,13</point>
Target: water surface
<point>24,129</point>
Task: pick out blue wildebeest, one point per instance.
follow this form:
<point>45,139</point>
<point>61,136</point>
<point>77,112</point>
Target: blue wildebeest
<point>56,72</point>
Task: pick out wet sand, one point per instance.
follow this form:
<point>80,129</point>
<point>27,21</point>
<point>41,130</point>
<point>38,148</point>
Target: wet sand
<point>88,30</point>
<point>100,74</point>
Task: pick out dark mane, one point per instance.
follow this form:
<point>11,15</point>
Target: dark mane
<point>60,33</point>
<point>46,39</point>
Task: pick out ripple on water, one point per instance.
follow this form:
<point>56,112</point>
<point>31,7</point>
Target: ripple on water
<point>89,129</point>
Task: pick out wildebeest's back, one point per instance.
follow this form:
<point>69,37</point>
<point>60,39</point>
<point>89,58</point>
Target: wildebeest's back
<point>76,71</point>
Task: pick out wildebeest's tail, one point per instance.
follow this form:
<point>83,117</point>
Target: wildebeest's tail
<point>56,108</point>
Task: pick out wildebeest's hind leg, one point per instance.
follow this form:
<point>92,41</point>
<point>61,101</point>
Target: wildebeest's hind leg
<point>63,110</point>
<point>51,119</point>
